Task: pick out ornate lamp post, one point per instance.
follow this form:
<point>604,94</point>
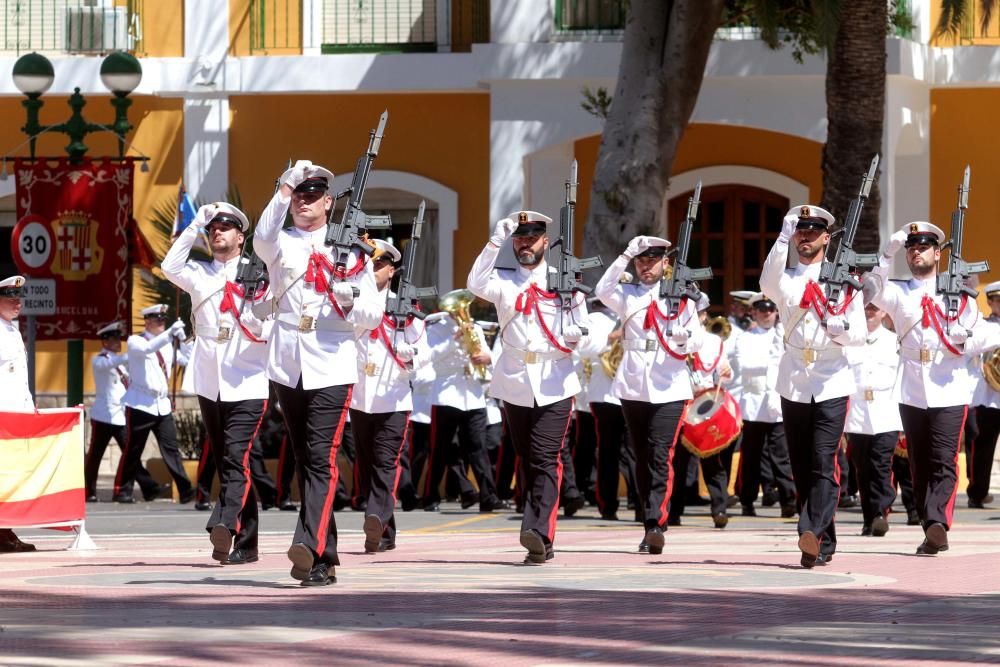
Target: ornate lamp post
<point>33,75</point>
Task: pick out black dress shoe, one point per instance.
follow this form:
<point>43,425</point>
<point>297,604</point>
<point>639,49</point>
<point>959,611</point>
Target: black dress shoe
<point>494,505</point>
<point>91,498</point>
<point>188,496</point>
<point>409,503</point>
<point>222,541</point>
<point>748,510</point>
<point>339,503</point>
<point>609,516</point>
<point>935,540</point>
<point>847,501</point>
<point>469,499</point>
<point>302,561</point>
<point>533,541</point>
<point>288,506</point>
<point>359,506</point>
<point>203,505</point>
<point>823,559</point>
<point>321,574</point>
<point>721,520</point>
<point>809,546</point>
<point>124,500</point>
<point>769,499</point>
<point>912,518</point>
<point>266,506</point>
<point>573,505</point>
<point>732,501</point>
<point>241,557</point>
<point>866,530</point>
<point>386,544</point>
<point>654,541</point>
<point>12,545</point>
<point>160,491</point>
<point>373,533</point>
<point>880,526</point>
<point>432,507</point>
<point>788,511</point>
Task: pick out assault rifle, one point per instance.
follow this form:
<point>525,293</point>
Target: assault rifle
<point>568,276</point>
<point>251,272</point>
<point>403,304</point>
<point>841,272</point>
<point>681,283</point>
<point>351,231</point>
<point>953,284</point>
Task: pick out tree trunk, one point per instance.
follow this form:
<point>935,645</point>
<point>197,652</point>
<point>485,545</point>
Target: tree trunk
<point>855,109</point>
<point>666,45</point>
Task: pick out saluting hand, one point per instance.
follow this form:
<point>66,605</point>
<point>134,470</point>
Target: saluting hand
<point>293,177</point>
<point>896,242</point>
<point>502,231</point>
<point>204,215</point>
<point>788,224</point>
<point>637,246</point>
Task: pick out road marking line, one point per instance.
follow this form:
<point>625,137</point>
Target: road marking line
<point>453,524</point>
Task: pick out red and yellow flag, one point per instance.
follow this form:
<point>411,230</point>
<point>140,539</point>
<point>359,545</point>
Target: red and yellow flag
<point>41,468</point>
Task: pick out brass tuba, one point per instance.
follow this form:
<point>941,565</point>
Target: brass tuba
<point>991,369</point>
<point>456,303</point>
<point>720,326</point>
<point>611,358</point>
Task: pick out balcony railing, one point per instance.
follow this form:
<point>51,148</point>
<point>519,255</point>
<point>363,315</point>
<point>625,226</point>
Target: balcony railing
<point>70,26</point>
<point>379,25</point>
<point>590,16</point>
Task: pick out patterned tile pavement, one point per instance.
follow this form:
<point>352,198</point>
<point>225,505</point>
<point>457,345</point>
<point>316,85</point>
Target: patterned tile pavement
<point>455,593</point>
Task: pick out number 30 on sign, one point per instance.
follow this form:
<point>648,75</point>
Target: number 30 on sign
<point>31,244</point>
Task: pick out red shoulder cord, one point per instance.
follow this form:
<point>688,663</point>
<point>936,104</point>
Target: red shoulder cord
<point>700,366</point>
<point>228,305</point>
<point>527,300</point>
<point>320,266</point>
<point>380,332</point>
<point>813,297</point>
<point>933,315</point>
<point>653,314</point>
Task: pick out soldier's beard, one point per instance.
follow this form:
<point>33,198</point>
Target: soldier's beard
<point>529,257</point>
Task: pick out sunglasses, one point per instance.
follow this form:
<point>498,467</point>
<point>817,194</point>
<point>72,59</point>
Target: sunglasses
<point>766,309</point>
<point>307,197</point>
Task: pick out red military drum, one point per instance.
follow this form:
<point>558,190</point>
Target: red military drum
<point>901,447</point>
<point>712,421</point>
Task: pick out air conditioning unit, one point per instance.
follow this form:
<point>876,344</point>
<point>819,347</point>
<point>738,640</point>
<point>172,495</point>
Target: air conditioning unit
<point>97,29</point>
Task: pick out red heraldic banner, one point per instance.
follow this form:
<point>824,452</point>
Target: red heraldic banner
<point>73,225</point>
<point>41,468</point>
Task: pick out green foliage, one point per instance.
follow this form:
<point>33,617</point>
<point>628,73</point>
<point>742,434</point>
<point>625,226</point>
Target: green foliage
<point>957,14</point>
<point>596,102</point>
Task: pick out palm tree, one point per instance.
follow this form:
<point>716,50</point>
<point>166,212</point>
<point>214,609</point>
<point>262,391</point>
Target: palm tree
<point>956,13</point>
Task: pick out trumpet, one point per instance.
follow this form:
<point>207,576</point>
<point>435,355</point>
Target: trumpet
<point>456,303</point>
<point>720,326</point>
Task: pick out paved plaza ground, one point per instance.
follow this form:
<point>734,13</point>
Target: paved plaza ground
<point>454,592</point>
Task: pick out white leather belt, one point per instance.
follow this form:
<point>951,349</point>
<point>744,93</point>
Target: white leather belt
<point>647,345</point>
<point>755,385</point>
<point>529,357</point>
<point>925,355</point>
<point>216,333</point>
<point>306,323</point>
<point>811,354</point>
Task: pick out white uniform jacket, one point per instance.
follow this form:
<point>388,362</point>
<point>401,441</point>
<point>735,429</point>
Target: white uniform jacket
<point>110,380</point>
<point>984,394</point>
<point>150,363</point>
<point>535,365</point>
<point>598,389</point>
<point>323,352</point>
<point>875,406</point>
<point>383,380</point>
<point>454,384</point>
<point>14,392</point>
<point>422,387</point>
<point>226,363</point>
<point>755,358</point>
<point>827,375</point>
<point>931,375</point>
<point>653,369</point>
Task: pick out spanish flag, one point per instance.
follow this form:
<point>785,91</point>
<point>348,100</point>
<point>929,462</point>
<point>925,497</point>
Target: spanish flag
<point>41,468</point>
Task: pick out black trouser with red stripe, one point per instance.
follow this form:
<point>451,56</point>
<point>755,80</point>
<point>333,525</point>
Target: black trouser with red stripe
<point>231,427</point>
<point>609,428</point>
<point>585,452</point>
<point>378,441</point>
<point>760,437</point>
<point>932,444</point>
<point>872,459</point>
<point>903,478</point>
<point>980,459</point>
<point>316,419</point>
<point>506,465</point>
<point>100,435</point>
<point>286,471</point>
<point>265,487</point>
<point>813,431</point>
<point>539,435</point>
<point>471,428</point>
<point>139,425</point>
<point>411,463</point>
<point>653,429</point>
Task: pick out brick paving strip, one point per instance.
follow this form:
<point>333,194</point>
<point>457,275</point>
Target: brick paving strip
<point>456,594</point>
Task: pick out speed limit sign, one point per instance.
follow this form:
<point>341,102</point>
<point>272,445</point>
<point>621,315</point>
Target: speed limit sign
<point>31,243</point>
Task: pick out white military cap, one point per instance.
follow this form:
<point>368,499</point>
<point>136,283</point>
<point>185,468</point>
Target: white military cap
<point>386,248</point>
<point>228,213</point>
<point>158,310</point>
<point>117,327</point>
<point>12,287</point>
<point>530,222</point>
<point>318,179</point>
<point>761,298</point>
<point>922,232</point>
<point>703,302</point>
<point>992,288</point>
<point>743,295</point>
<point>812,217</point>
<point>657,247</point>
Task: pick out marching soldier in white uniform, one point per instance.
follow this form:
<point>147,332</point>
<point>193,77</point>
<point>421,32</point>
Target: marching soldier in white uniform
<point>755,359</point>
<point>740,311</point>
<point>15,395</point>
<point>652,381</point>
<point>226,370</point>
<point>534,374</point>
<point>151,357</point>
<point>986,402</point>
<point>935,384</point>
<point>381,403</point>
<point>873,424</point>
<point>814,379</point>
<point>312,356</point>
<point>107,414</point>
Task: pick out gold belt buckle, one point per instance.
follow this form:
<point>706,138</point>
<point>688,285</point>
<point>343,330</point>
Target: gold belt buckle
<point>650,346</point>
<point>925,355</point>
<point>225,333</point>
<point>371,369</point>
<point>869,395</point>
<point>306,323</point>
<point>809,356</point>
<point>530,357</point>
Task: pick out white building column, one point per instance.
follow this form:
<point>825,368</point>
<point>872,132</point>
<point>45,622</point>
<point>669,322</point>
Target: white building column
<point>312,27</point>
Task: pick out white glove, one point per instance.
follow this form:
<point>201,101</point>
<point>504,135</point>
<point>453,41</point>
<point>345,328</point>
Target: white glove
<point>204,214</point>
<point>788,225</point>
<point>502,231</point>
<point>896,241</point>
<point>177,330</point>
<point>572,334</point>
<point>679,336</point>
<point>344,294</point>
<point>637,246</point>
<point>294,176</point>
<point>836,325</point>
<point>252,323</point>
<point>405,352</point>
<point>958,336</point>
